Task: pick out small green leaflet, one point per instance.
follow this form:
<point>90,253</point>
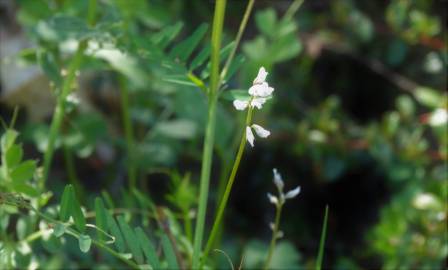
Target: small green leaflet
<point>115,231</point>
<point>131,240</point>
<point>148,248</point>
<point>84,243</point>
<point>101,220</point>
<point>169,253</point>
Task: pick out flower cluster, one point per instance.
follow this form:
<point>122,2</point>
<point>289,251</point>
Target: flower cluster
<point>259,92</point>
<point>278,181</point>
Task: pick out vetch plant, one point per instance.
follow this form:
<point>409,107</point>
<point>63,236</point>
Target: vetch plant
<point>278,201</point>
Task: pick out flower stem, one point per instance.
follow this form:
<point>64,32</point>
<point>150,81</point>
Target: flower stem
<point>218,21</point>
<point>274,235</point>
<point>225,197</point>
<point>129,134</point>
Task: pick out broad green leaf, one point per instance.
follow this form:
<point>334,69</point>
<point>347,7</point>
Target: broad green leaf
<point>115,231</point>
<point>84,243</point>
<point>25,188</point>
<point>266,21</point>
<point>77,214</point>
<point>13,155</point>
<point>8,139</point>
<point>100,216</point>
<point>200,57</point>
<point>59,229</point>
<point>184,49</point>
<point>24,171</point>
<point>131,240</point>
<point>168,250</point>
<point>148,248</point>
<point>239,94</point>
<point>66,201</point>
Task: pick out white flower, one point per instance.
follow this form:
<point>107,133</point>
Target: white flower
<point>240,104</point>
<point>278,181</point>
<point>272,199</point>
<point>261,132</point>
<point>250,136</point>
<point>257,102</point>
<point>292,193</point>
<point>439,117</point>
<point>261,90</point>
<point>261,76</point>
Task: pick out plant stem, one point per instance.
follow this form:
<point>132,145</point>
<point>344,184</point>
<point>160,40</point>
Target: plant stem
<point>218,20</point>
<point>238,38</point>
<point>129,134</point>
<point>274,235</point>
<point>292,9</point>
<point>59,111</point>
<point>225,197</point>
<point>320,255</point>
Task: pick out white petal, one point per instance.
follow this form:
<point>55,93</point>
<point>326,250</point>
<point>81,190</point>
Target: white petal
<point>258,102</point>
<point>278,181</point>
<point>272,198</point>
<point>240,104</point>
<point>292,193</point>
<point>439,117</point>
<point>257,89</point>
<point>261,132</point>
<point>250,136</point>
<point>261,77</point>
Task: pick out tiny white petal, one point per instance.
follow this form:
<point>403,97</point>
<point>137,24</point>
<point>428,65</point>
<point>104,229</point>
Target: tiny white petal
<point>278,181</point>
<point>439,117</point>
<point>258,102</point>
<point>240,104</point>
<point>257,90</point>
<point>261,132</point>
<point>292,193</point>
<point>280,234</point>
<point>272,198</point>
<point>271,225</point>
<point>261,76</point>
<point>250,136</point>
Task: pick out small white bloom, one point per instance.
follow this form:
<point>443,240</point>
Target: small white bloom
<point>240,104</point>
<point>280,234</point>
<point>261,132</point>
<point>271,225</point>
<point>292,193</point>
<point>261,90</point>
<point>272,199</point>
<point>278,181</point>
<point>261,76</point>
<point>439,117</point>
<point>250,136</point>
<point>258,102</point>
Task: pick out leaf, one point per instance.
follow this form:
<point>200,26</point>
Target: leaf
<point>169,253</point>
<point>148,249</point>
<point>428,97</point>
<point>115,231</point>
<point>239,94</point>
<point>77,214</point>
<point>8,139</point>
<point>100,216</point>
<point>59,229</point>
<point>65,209</point>
<point>131,240</point>
<point>84,243</point>
<point>24,171</point>
<point>184,49</point>
<point>200,57</point>
<point>266,21</point>
<point>178,129</point>
<point>13,155</point>
<point>234,66</point>
<point>25,188</point>
<point>59,28</point>
<point>49,66</point>
<point>164,37</point>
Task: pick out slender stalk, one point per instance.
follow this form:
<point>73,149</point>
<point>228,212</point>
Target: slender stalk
<point>243,24</point>
<point>129,134</point>
<point>275,231</point>
<point>320,255</point>
<point>225,197</point>
<point>59,111</point>
<point>218,21</point>
<point>292,9</point>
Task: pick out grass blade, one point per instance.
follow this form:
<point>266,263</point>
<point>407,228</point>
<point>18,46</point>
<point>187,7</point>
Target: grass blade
<point>184,49</point>
<point>148,249</point>
<point>64,211</point>
<point>320,255</point>
<point>131,240</point>
<point>168,250</point>
<point>200,57</point>
<point>100,218</point>
<point>115,231</point>
<point>77,214</point>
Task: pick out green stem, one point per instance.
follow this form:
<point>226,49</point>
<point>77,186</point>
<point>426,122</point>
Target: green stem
<point>225,197</point>
<point>129,134</point>
<point>274,235</point>
<point>218,21</point>
<point>59,111</point>
<point>292,9</point>
<point>238,38</point>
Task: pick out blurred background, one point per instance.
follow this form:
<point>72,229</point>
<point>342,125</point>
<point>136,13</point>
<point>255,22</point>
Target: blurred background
<point>358,120</point>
